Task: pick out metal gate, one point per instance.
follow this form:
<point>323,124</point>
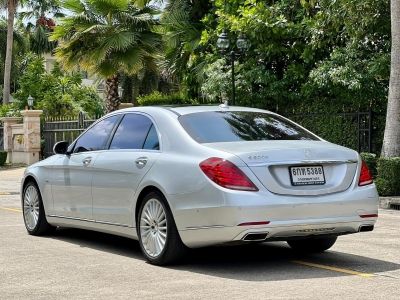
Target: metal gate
<point>62,129</point>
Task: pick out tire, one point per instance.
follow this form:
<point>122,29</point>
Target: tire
<point>33,211</point>
<point>312,245</point>
<point>152,232</point>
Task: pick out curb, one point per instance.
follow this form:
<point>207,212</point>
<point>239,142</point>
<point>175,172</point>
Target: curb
<point>389,203</point>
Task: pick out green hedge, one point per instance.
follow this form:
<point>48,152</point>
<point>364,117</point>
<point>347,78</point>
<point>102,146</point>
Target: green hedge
<point>388,181</point>
<point>157,98</point>
<point>371,161</point>
<point>3,157</point>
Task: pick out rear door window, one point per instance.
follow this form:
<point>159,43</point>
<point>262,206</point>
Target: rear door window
<point>132,132</point>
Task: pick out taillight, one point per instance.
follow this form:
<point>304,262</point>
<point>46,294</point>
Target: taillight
<point>226,174</point>
<point>365,175</point>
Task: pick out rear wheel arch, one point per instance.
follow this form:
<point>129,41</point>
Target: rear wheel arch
<point>145,191</point>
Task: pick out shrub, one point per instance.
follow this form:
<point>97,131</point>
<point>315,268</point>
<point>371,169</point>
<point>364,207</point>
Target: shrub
<point>3,157</point>
<point>388,181</point>
<point>9,110</point>
<point>371,161</point>
<point>157,98</point>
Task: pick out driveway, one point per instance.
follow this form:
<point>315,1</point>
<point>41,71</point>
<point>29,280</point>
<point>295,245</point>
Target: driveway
<point>81,264</point>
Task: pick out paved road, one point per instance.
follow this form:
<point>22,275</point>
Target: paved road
<point>86,265</point>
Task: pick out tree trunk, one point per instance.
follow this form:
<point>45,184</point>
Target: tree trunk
<point>7,64</point>
<point>112,97</point>
<point>127,85</point>
<point>391,139</point>
<point>135,90</point>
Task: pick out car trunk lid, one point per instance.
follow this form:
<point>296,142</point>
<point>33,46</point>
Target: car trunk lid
<point>270,162</point>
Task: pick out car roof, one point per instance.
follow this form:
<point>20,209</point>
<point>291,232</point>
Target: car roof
<point>184,110</point>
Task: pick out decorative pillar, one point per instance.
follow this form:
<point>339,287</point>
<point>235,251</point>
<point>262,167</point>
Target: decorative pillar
<point>31,129</point>
<point>7,135</point>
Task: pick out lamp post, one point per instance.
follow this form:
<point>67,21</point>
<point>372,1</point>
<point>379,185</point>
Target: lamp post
<point>232,51</point>
<point>30,102</point>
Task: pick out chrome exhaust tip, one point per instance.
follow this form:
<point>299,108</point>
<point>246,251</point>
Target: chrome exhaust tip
<point>255,237</point>
<point>366,228</point>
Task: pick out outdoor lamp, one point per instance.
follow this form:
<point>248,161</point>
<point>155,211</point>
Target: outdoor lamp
<point>242,43</point>
<point>223,41</point>
<point>30,102</point>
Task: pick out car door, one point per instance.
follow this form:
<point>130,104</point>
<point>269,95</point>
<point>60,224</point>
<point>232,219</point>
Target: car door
<point>72,176</point>
<point>133,150</point>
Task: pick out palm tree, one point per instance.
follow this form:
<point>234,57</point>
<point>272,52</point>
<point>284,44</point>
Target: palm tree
<point>182,27</point>
<point>391,139</point>
<point>11,6</point>
<point>182,23</point>
<point>19,48</point>
<point>40,24</point>
<point>106,38</point>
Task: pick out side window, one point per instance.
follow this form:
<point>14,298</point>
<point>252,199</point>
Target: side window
<point>96,137</point>
<point>131,132</point>
<point>152,142</point>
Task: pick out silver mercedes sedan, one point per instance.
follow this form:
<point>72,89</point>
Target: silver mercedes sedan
<point>184,177</point>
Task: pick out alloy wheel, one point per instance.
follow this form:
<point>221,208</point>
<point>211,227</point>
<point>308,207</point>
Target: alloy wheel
<point>31,207</point>
<point>153,227</point>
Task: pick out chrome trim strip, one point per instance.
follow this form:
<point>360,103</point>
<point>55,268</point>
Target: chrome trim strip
<point>90,220</point>
<point>289,163</point>
<point>205,227</point>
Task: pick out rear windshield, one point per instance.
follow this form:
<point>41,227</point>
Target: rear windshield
<point>232,126</point>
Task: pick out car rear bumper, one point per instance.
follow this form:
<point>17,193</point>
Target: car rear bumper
<point>288,216</point>
<point>200,237</point>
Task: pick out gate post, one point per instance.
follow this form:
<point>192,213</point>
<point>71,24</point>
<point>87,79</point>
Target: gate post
<point>7,135</point>
<point>31,127</point>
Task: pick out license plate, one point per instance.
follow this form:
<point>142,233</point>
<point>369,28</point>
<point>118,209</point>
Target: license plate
<point>307,175</point>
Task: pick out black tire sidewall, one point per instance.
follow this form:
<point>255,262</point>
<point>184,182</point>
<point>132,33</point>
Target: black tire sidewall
<point>41,217</point>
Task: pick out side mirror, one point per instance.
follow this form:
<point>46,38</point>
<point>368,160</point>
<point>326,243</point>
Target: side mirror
<point>61,147</point>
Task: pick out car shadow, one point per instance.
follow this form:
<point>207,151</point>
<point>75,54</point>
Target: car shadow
<point>273,261</point>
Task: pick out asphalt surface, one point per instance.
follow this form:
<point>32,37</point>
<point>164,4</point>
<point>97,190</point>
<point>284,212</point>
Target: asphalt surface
<point>78,264</point>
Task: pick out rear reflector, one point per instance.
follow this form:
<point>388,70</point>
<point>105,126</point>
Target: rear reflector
<point>254,223</point>
<point>365,175</point>
<point>369,216</point>
<point>226,174</point>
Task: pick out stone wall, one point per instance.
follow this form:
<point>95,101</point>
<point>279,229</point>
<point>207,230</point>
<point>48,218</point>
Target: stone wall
<point>22,137</point>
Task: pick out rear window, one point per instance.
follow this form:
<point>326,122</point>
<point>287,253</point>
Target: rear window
<point>214,127</point>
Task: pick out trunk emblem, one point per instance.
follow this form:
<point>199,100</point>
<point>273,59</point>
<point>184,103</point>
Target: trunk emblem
<point>258,157</point>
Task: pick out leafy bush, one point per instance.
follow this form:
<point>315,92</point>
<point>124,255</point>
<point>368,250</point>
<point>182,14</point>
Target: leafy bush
<point>3,157</point>
<point>58,94</point>
<point>371,161</point>
<point>9,110</point>
<point>388,181</point>
<point>157,98</point>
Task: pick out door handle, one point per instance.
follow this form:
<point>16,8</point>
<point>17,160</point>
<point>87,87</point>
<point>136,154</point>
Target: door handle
<point>141,162</point>
<point>86,161</point>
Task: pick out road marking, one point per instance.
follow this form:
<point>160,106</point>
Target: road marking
<point>8,193</point>
<point>11,209</point>
<point>335,269</point>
